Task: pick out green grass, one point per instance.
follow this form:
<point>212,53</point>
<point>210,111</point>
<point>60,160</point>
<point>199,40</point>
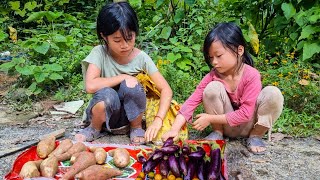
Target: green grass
<point>298,125</point>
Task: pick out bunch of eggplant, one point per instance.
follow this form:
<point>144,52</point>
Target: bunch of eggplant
<point>183,162</point>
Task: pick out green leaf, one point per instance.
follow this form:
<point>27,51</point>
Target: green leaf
<point>22,13</point>
<point>293,36</point>
<point>7,66</point>
<point>185,49</point>
<point>165,33</point>
<point>200,19</point>
<point>59,38</point>
<point>55,76</point>
<point>159,3</point>
<point>307,31</point>
<point>288,10</point>
<point>53,67</point>
<point>3,36</point>
<point>30,5</point>
<point>309,50</point>
<point>136,3</point>
<point>189,2</point>
<point>173,57</point>
<point>33,87</point>
<point>25,70</point>
<point>178,16</point>
<point>53,15</point>
<point>199,31</point>
<point>61,2</point>
<point>15,5</point>
<point>42,48</point>
<point>40,77</point>
<point>69,17</point>
<point>35,16</point>
<point>314,18</point>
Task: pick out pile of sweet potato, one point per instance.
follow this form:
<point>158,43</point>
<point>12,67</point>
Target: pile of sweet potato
<point>85,164</point>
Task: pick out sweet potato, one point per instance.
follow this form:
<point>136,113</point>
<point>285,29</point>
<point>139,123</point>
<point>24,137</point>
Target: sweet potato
<point>121,157</point>
<point>62,147</point>
<point>98,172</point>
<point>49,167</point>
<point>46,146</point>
<point>99,153</point>
<point>74,157</point>
<point>84,160</point>
<point>30,169</point>
<point>77,147</point>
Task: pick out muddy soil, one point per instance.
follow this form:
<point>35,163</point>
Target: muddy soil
<point>286,158</point>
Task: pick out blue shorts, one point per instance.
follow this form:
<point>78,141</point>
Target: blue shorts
<point>123,104</point>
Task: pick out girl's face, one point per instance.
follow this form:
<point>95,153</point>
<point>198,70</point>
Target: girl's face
<point>224,60</point>
<point>118,46</point>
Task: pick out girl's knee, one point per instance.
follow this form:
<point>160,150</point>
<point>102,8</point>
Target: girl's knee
<point>136,91</point>
<point>99,107</point>
<point>272,94</point>
<point>213,90</point>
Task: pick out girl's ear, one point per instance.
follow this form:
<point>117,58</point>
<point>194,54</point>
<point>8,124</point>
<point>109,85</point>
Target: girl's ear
<point>240,50</point>
<point>104,37</point>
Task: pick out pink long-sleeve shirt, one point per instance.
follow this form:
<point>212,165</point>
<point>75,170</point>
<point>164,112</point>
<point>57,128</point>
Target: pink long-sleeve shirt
<point>244,97</point>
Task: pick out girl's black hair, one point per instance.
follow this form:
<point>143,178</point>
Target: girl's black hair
<point>117,16</point>
<point>231,37</point>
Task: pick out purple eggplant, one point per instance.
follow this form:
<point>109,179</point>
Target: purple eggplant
<point>174,165</point>
<point>170,149</point>
<point>201,171</point>
<point>149,165</point>
<point>197,155</point>
<point>191,170</point>
<point>185,149</point>
<point>164,169</point>
<point>157,155</point>
<point>214,169</point>
<point>141,159</point>
<point>183,165</point>
<point>168,142</point>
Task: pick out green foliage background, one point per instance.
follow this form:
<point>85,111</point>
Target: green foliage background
<point>283,36</point>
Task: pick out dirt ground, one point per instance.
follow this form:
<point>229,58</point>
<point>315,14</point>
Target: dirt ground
<point>286,157</point>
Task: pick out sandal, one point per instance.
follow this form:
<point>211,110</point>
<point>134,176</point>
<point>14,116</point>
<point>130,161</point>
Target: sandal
<point>214,136</point>
<point>90,134</point>
<point>136,132</point>
<point>255,142</point>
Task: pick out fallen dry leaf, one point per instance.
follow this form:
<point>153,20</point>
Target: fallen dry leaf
<point>304,82</point>
<point>277,136</point>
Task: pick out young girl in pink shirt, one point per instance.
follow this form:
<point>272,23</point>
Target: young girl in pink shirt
<point>234,102</point>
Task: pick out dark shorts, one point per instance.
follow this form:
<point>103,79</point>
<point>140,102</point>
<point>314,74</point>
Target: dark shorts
<point>123,104</point>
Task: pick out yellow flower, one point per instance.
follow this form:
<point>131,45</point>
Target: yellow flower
<point>284,61</point>
<point>266,61</point>
<point>275,83</point>
<point>280,75</point>
<point>282,92</point>
<point>295,66</point>
<point>306,77</point>
<point>278,53</point>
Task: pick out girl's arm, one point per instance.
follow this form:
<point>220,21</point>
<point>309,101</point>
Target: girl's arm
<point>175,128</point>
<point>165,93</point>
<point>94,82</point>
<point>165,101</point>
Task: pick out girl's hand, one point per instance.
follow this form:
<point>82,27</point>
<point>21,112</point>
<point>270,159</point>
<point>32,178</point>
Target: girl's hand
<point>202,121</point>
<point>130,80</point>
<point>153,130</point>
<point>171,133</point>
